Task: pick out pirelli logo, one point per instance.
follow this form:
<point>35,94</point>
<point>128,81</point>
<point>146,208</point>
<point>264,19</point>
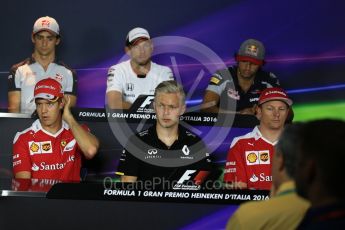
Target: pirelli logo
<point>258,157</point>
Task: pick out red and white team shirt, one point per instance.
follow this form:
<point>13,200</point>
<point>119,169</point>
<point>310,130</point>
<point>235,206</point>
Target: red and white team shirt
<point>249,160</point>
<point>45,155</point>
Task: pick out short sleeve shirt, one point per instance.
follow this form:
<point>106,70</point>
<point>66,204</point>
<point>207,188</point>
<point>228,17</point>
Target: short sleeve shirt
<point>47,156</point>
<point>225,84</point>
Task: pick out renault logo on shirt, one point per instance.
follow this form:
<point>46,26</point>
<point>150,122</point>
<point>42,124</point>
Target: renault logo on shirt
<point>185,150</point>
<point>152,151</point>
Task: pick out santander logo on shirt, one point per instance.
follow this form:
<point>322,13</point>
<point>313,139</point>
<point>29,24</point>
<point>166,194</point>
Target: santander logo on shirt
<point>254,178</point>
<point>43,166</point>
<point>262,177</point>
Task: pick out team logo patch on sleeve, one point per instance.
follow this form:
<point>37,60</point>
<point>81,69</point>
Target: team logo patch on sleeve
<point>70,145</point>
<point>214,80</point>
<point>233,94</point>
<point>59,77</point>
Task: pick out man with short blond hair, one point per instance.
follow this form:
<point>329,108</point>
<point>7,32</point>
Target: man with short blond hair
<point>158,152</point>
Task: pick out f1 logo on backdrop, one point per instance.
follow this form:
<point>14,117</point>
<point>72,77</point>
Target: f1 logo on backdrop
<point>148,101</point>
<point>197,179</point>
<point>146,106</point>
<point>186,176</point>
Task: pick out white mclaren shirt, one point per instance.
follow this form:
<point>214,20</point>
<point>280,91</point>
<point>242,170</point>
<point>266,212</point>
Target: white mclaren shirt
<point>122,78</point>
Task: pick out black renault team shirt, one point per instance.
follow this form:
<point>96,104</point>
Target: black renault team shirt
<point>183,150</point>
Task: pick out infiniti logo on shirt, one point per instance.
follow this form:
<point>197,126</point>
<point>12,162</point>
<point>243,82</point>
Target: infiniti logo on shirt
<point>152,154</point>
<point>152,151</point>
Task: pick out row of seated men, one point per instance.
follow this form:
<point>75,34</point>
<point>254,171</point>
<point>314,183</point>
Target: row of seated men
<point>38,151</point>
<point>55,145</point>
<point>238,86</point>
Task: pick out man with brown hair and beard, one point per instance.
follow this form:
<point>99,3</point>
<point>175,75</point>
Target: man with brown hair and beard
<point>241,84</point>
<point>137,76</point>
